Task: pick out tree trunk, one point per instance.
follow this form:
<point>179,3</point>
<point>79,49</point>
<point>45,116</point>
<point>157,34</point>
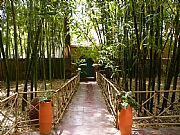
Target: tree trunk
<point>5,65</point>
<point>15,44</point>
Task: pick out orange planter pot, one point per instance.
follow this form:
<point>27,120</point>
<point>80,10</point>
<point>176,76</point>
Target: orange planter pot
<point>125,121</point>
<point>45,117</point>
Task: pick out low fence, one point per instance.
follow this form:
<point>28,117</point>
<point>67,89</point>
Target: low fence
<point>144,116</point>
<point>14,120</point>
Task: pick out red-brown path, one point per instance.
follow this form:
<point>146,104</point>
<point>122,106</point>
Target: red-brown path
<point>88,115</point>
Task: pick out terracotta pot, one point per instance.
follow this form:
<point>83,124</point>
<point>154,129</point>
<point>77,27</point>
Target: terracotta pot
<point>45,117</point>
<point>125,121</point>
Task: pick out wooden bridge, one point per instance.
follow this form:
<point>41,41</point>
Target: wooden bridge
<point>87,113</point>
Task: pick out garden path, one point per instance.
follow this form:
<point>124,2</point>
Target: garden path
<point>87,113</point>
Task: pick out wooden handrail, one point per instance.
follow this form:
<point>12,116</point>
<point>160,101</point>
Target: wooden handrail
<point>8,98</point>
<point>60,98</point>
<point>110,90</point>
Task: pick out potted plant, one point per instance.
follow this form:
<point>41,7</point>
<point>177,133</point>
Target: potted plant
<point>45,113</point>
<point>125,104</point>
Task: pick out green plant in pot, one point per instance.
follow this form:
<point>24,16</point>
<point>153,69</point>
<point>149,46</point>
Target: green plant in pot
<point>125,105</point>
<point>47,97</point>
<point>125,99</point>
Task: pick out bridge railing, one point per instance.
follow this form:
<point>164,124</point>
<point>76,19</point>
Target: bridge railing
<point>63,96</point>
<point>7,114</point>
<point>13,119</point>
<point>144,116</point>
<point>110,92</point>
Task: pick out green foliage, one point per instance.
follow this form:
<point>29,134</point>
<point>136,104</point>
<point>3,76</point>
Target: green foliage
<point>125,99</point>
<point>123,35</point>
<point>47,96</point>
<point>86,52</point>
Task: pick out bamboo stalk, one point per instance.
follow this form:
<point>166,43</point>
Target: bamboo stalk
<point>149,124</point>
<point>153,117</point>
<point>30,92</point>
<point>8,98</point>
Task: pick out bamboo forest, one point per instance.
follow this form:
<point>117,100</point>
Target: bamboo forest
<point>51,50</point>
